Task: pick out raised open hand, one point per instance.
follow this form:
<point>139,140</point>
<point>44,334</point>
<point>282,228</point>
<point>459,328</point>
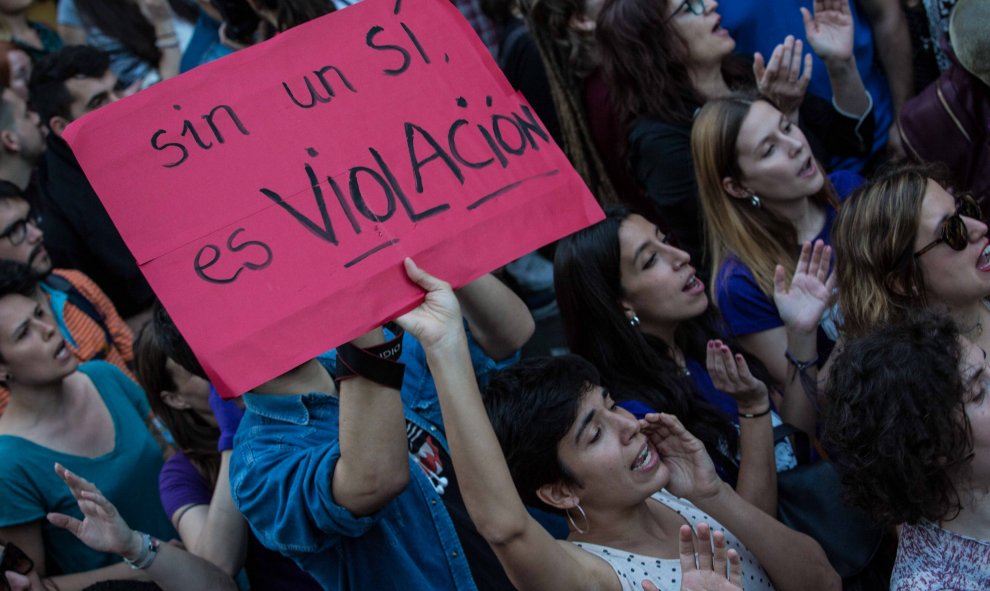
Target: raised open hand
<point>103,528</point>
<point>730,374</point>
<point>704,569</point>
<point>802,303</point>
<point>438,318</point>
<point>692,473</point>
<point>830,29</point>
<point>781,80</point>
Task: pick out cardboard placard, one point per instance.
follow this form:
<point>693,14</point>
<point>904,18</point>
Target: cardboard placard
<point>270,197</point>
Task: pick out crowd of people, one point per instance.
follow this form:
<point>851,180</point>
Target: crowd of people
<point>773,366</point>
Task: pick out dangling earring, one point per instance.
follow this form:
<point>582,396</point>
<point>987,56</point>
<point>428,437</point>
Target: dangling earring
<point>754,200</point>
<point>587,525</point>
<point>634,321</point>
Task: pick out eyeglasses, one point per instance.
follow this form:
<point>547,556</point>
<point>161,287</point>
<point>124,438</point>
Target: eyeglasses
<point>693,6</point>
<point>17,232</point>
<point>954,231</point>
<point>13,558</point>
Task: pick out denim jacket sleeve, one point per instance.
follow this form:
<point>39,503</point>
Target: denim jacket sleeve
<point>282,472</point>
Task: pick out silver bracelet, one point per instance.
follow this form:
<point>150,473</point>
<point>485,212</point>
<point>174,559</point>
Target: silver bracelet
<point>149,551</point>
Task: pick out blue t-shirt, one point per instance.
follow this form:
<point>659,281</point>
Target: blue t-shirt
<point>127,476</point>
<point>744,307</point>
<point>758,26</point>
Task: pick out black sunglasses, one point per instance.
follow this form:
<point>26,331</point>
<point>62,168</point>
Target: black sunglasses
<point>954,231</point>
<point>13,558</point>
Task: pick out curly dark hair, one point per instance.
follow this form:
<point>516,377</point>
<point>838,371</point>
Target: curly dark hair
<point>895,419</point>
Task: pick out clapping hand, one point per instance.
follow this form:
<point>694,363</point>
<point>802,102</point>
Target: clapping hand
<point>730,374</point>
<point>802,303</point>
<point>782,80</point>
<point>692,473</point>
<point>830,29</point>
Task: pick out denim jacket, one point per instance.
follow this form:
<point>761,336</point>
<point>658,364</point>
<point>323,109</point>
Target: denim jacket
<point>281,471</point>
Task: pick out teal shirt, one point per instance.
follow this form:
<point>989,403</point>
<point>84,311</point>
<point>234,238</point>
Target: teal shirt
<point>127,476</point>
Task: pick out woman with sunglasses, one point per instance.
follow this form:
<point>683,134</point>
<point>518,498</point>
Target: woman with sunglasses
<point>89,418</point>
<point>104,530</point>
<point>907,417</point>
<point>904,243</point>
<point>663,60</point>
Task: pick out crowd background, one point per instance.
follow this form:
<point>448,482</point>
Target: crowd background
<point>765,369</point>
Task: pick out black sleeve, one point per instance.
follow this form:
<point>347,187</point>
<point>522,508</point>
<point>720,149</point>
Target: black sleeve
<point>660,154</point>
<point>520,62</point>
<point>832,133</point>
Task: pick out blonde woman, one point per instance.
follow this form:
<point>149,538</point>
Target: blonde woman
<point>763,194</point>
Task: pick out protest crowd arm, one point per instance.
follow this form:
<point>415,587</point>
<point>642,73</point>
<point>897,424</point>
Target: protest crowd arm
<point>498,319</point>
<point>373,467</point>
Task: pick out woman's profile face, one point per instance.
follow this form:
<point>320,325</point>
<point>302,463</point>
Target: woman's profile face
<point>774,157</point>
<point>952,277</point>
<point>192,391</point>
<point>707,42</point>
<point>608,454</point>
<point>977,407</point>
<point>32,350</point>
<point>658,282</point>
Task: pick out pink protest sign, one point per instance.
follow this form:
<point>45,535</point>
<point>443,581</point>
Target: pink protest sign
<point>270,197</point>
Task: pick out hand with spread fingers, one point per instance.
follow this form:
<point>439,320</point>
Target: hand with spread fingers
<point>782,79</point>
<point>802,303</point>
<point>102,528</point>
<point>830,29</point>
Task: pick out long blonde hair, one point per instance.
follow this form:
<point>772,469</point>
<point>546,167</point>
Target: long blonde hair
<point>759,238</point>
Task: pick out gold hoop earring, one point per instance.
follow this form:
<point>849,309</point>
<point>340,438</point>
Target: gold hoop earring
<point>584,516</point>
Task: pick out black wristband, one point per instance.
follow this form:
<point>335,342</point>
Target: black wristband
<point>755,415</point>
<point>377,363</point>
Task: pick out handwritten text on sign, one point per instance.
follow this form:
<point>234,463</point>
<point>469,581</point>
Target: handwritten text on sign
<point>270,196</point>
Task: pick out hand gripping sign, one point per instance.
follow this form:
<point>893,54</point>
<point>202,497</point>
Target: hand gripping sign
<point>270,197</point>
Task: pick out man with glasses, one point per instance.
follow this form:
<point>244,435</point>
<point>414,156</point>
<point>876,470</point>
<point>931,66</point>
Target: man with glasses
<point>65,86</point>
<point>85,315</point>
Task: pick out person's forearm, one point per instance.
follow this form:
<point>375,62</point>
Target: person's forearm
<point>799,408</point>
<point>893,44</point>
<point>848,91</point>
<point>794,561</point>
<point>79,581</point>
<point>373,467</point>
<point>757,482</point>
<point>177,570</point>
<point>482,474</point>
<point>498,319</point>
<point>223,538</point>
<point>168,65</point>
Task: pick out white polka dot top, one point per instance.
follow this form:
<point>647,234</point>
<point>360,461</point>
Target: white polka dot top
<point>666,573</point>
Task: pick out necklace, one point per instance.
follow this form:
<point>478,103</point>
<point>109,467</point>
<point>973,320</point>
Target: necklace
<point>976,330</point>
